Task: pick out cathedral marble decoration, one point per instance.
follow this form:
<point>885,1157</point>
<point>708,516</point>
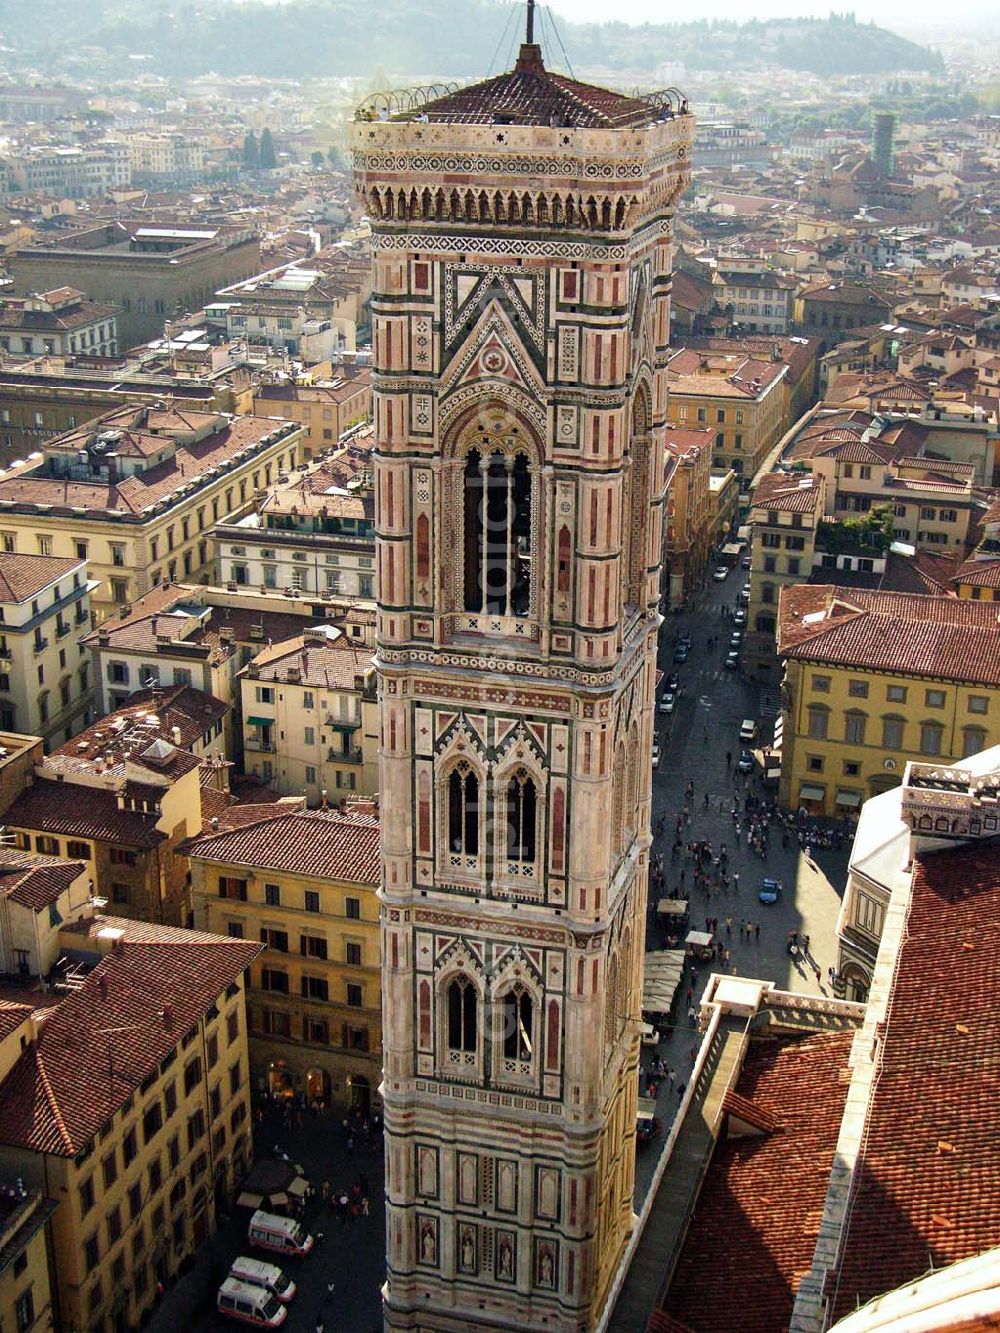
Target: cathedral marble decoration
<point>520,311</point>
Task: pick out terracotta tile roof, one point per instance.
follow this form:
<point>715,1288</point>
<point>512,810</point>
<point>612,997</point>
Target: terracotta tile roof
<point>128,732</point>
<point>12,1015</point>
<point>530,95</point>
<point>925,1191</point>
<point>923,572</point>
<point>132,495</point>
<point>757,1217</point>
<point>791,493</point>
<point>689,292</point>
<point>331,666</point>
<point>35,881</point>
<point>78,811</point>
<point>844,293</point>
<point>944,638</point>
<point>63,1088</point>
<point>980,573</point>
<point>161,610</point>
<point>23,576</point>
<point>310,842</point>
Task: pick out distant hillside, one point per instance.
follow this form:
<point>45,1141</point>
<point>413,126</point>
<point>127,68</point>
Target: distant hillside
<point>450,37</point>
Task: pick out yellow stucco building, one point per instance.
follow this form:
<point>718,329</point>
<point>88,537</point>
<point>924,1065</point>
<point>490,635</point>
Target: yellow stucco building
<point>134,492</point>
<point>745,401</point>
<point>25,1288</point>
<point>303,883</point>
<point>129,1106</point>
<point>310,716</point>
<point>875,679</point>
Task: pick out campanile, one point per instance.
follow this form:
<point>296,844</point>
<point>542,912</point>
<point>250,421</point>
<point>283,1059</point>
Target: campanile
<point>521,305</point>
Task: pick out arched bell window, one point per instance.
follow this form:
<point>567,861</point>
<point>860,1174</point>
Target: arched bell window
<point>522,815</point>
<point>497,532</point>
<point>518,1013</point>
<point>463,811</point>
<point>463,1017</point>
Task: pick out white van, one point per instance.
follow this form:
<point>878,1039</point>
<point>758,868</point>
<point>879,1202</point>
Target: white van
<point>260,1274</point>
<point>284,1235</point>
<point>254,1305</point>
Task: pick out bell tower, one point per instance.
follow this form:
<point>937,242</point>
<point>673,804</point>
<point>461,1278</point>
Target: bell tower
<point>521,231</point>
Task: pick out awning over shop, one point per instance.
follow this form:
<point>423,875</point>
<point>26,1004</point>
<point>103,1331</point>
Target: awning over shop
<point>672,907</point>
<point>249,1200</point>
<point>852,799</point>
<point>732,548</point>
<point>661,977</point>
<point>299,1187</point>
<point>341,726</point>
<point>743,532</point>
<point>260,721</point>
<point>779,731</point>
<point>807,792</point>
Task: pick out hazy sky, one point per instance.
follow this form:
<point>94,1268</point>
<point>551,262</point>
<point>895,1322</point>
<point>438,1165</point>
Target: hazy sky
<point>890,13</point>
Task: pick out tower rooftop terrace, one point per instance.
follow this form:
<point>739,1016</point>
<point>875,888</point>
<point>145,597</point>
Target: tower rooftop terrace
<point>529,94</point>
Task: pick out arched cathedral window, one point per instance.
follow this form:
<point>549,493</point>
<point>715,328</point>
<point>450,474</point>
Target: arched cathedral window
<point>518,1013</point>
<point>463,811</point>
<point>463,1018</point>
<point>497,533</point>
<point>522,813</point>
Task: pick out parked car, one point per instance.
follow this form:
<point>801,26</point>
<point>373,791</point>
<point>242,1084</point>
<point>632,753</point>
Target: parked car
<point>735,639</point>
<point>732,661</point>
<point>685,639</point>
<point>667,704</point>
<point>720,573</point>
<point>748,731</point>
<point>260,1274</point>
<point>745,562</point>
<point>656,755</point>
<point>681,653</point>
<point>647,1126</point>
<point>252,1305</point>
<point>285,1235</point>
<point>745,762</point>
<point>739,616</point>
<point>673,683</point>
<point>770,890</point>
<point>744,593</point>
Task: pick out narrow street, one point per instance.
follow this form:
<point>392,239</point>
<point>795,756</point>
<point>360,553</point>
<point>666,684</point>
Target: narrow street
<point>694,744</point>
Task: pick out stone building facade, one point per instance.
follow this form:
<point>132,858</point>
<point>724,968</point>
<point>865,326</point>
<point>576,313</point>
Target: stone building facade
<point>523,251</point>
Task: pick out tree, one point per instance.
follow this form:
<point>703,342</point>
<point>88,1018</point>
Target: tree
<point>317,159</point>
<point>336,159</point>
<point>251,152</point>
<point>267,157</point>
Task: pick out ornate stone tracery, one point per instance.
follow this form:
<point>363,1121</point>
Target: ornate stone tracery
<point>520,320</point>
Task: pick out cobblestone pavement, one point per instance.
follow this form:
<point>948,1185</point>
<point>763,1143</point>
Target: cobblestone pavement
<point>694,744</point>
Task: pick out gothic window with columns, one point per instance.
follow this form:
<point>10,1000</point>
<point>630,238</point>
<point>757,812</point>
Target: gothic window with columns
<point>518,1037</point>
<point>463,811</point>
<point>522,818</point>
<point>463,1015</point>
<point>497,505</point>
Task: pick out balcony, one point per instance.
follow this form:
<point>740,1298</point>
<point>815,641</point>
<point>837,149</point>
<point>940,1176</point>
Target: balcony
<point>258,745</point>
<point>40,644</point>
<point>351,756</point>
